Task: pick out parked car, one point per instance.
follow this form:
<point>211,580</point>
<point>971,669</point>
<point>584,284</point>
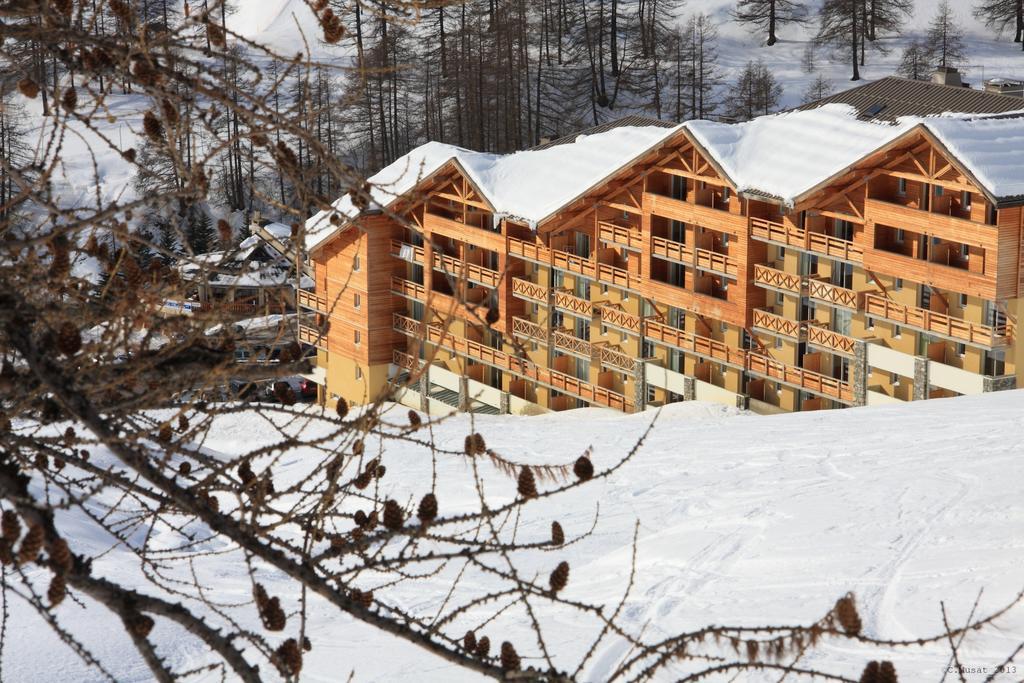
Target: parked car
<point>301,389</point>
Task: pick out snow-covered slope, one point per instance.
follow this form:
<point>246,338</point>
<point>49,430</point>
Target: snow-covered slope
<point>742,520</point>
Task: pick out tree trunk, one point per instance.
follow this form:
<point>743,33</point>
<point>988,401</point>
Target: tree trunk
<point>771,23</point>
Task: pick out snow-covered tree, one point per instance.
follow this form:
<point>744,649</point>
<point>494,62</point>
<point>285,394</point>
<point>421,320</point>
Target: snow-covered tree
<point>944,41</point>
<point>770,15</point>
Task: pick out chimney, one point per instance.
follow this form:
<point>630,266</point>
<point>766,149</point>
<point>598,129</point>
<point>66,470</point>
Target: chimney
<point>947,75</point>
<point>545,140</point>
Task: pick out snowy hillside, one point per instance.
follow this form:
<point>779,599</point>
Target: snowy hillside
<point>742,520</point>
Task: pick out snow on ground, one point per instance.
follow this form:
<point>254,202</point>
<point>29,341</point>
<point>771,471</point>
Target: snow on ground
<point>742,520</point>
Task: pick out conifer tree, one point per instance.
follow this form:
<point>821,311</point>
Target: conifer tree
<point>841,27</point>
<point>819,88</point>
<point>944,40</point>
<point>769,15</point>
<point>915,63</point>
<point>756,93</point>
<point>1002,14</point>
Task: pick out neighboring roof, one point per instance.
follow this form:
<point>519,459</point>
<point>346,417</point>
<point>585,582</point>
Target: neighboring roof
<point>991,148</point>
<point>529,186</point>
<point>889,98</point>
<point>634,121</point>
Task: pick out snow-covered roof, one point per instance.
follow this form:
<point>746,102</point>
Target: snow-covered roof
<point>990,147</point>
<point>782,156</point>
<point>529,185</point>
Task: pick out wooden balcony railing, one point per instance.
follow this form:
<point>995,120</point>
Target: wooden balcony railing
<point>568,301</point>
<point>774,278</point>
<point>822,290</point>
<point>610,357</point>
<point>834,247</point>
<point>529,250</point>
<point>618,277</point>
<point>529,290</point>
<point>712,260</point>
<point>471,271</point>
<point>406,251</point>
<point>530,330</point>
<point>630,238</point>
<point>833,341</point>
<point>313,337</point>
<point>616,317</point>
<point>777,324</point>
<point>518,366</point>
<point>408,289</point>
<point>405,360</point>
<point>671,250</point>
<point>573,263</point>
<point>770,231</point>
<point>312,301</point>
<point>570,344</point>
<point>799,377</point>
<point>936,323</point>
<point>696,344</point>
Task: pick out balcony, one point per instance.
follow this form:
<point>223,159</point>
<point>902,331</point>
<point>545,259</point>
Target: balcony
<point>408,289</point>
<point>771,323</point>
<point>933,224</point>
<point>721,264</point>
<point>695,214</point>
<point>513,364</point>
<point>609,357</point>
<point>618,277</point>
<point>778,233</point>
<point>834,342</point>
<point>529,251</point>
<point>671,250</point>
<point>531,291</point>
<point>833,295</point>
<point>778,280</point>
<point>471,271</point>
<point>687,341</point>
<point>568,301</point>
<point>621,319</point>
<point>623,236</point>
<point>933,274</point>
<point>530,330</point>
<point>451,228</point>
<point>312,301</point>
<point>313,337</point>
<point>406,251</point>
<point>570,344</point>
<point>572,263</point>
<point>924,320</point>
<point>834,247</point>
<point>806,380</point>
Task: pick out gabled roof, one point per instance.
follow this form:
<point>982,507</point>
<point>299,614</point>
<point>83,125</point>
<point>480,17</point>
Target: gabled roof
<point>529,186</point>
<point>632,121</point>
<point>887,99</point>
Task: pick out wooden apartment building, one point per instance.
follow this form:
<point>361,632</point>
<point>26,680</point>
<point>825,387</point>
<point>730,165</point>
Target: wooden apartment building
<point>821,258</point>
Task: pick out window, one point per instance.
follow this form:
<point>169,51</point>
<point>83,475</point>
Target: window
<point>535,308</point>
<point>778,342</point>
<point>357,301</point>
<point>965,200</point>
<point>356,263</point>
<point>961,349</point>
<point>533,346</point>
<point>725,241</point>
<point>358,336</point>
<point>894,379</point>
<point>926,296</point>
<point>991,215</point>
<point>604,330</point>
<point>897,284</point>
<point>897,332</point>
<point>963,301</point>
<point>901,186</point>
<point>623,337</point>
<point>871,323</point>
<point>780,298</point>
<point>722,327</point>
<point>359,372</point>
<point>604,289</point>
<point>899,236</point>
<point>725,195</point>
<point>938,190</point>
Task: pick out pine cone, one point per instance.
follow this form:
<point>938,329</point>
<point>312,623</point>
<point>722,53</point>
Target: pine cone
<point>527,483</point>
<point>846,613</point>
<point>362,598</point>
<point>342,408</point>
<point>363,480</point>
<point>887,673</point>
<point>164,434</point>
<point>360,518</point>
<point>69,341</point>
<point>31,544</point>
<point>394,517</point>
<point>475,444</point>
<point>288,658</point>
<point>58,588</point>
<point>60,556</point>
<point>70,99</point>
<point>183,423</point>
<point>469,641</point>
<point>557,535</point>
<point>185,468</point>
<point>28,88</point>
<point>509,657</point>
<point>11,526</point>
<point>245,473</point>
<point>153,128</point>
<point>428,508</point>
<point>492,316</point>
<point>483,647</point>
<point>415,422</point>
<point>139,624</point>
<point>584,469</point>
<point>559,577</point>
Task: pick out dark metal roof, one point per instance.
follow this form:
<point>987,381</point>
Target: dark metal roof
<point>624,122</point>
<point>889,98</point>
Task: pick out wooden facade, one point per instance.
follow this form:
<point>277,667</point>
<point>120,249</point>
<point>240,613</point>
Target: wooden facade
<point>899,265</point>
